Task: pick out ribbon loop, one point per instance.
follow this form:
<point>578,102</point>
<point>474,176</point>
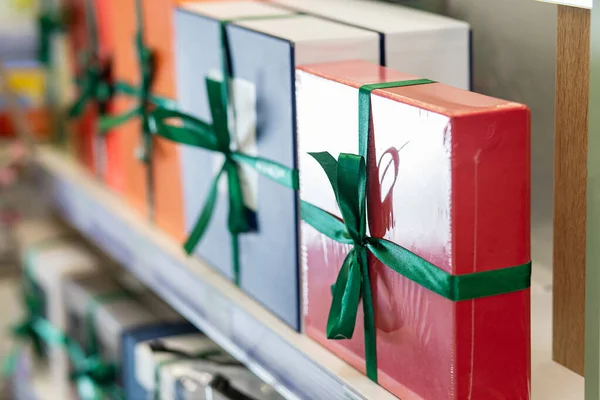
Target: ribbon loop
<point>351,183</point>
<point>346,298</point>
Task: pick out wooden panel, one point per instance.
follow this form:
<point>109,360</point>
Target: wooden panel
<point>572,93</point>
<point>592,278</point>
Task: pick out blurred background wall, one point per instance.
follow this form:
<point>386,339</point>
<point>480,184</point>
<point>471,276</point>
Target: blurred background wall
<point>514,50</point>
<point>514,55</point>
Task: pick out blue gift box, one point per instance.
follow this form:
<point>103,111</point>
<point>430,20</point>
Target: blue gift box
<point>264,53</point>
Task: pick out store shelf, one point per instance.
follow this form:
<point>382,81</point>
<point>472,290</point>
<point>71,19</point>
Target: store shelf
<point>296,365</point>
<point>299,367</point>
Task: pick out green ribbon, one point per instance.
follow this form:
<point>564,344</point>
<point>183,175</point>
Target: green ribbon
<point>93,87</point>
<point>94,80</point>
<point>27,330</point>
<point>142,92</point>
<point>216,137</point>
<point>94,376</point>
<point>32,327</point>
<point>49,23</point>
<point>348,178</point>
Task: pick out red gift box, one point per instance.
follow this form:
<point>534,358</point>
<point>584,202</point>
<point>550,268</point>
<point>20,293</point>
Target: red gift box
<point>448,179</point>
<point>89,147</point>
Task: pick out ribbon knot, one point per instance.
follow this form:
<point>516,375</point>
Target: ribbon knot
<point>216,137</point>
<point>93,84</point>
<point>94,368</point>
<point>146,101</point>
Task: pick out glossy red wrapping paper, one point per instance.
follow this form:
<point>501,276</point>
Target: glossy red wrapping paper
<point>448,178</point>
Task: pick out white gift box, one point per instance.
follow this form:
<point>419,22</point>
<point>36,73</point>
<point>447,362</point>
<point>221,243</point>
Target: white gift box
<point>179,377</point>
<point>412,41</point>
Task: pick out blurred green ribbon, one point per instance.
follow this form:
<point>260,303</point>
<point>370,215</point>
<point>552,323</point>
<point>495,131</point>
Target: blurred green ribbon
<point>94,81</point>
<point>93,86</point>
<point>348,178</point>
<point>49,23</point>
<point>29,330</point>
<point>146,100</point>
<point>216,137</point>
<point>93,377</point>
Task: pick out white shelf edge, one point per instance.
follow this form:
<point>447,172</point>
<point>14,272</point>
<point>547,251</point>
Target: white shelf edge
<point>299,367</point>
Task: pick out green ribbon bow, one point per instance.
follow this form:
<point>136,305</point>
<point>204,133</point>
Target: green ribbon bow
<point>29,330</point>
<point>36,329</point>
<point>348,178</point>
<point>94,82</point>
<point>216,137</point>
<point>94,378</point>
<point>93,86</point>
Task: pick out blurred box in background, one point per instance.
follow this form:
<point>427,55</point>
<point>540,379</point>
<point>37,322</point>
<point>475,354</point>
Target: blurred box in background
<point>27,80</point>
<point>18,50</point>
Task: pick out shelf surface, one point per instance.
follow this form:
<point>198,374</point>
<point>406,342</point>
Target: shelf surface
<point>297,366</point>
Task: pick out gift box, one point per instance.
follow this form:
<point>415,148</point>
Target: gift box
<point>133,389</point>
<point>101,313</point>
<point>413,41</point>
<point>47,265</point>
<point>264,45</point>
<point>194,367</point>
<point>125,173</point>
<point>145,169</point>
<point>91,47</point>
<point>445,174</point>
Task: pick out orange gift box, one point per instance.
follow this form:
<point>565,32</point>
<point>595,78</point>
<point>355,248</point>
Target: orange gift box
<point>159,193</point>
